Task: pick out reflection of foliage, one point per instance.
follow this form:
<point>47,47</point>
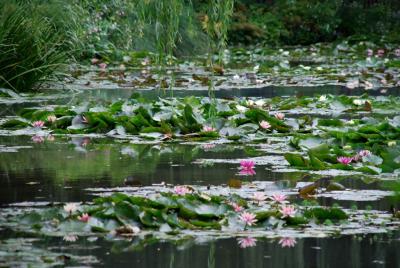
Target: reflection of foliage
<point>101,159</point>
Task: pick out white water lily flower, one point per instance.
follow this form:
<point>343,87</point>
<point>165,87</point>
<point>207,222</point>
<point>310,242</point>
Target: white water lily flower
<point>71,207</point>
<point>241,108</point>
<point>126,58</point>
<point>392,143</point>
<point>358,102</point>
<point>256,68</point>
<point>236,77</point>
<point>319,68</point>
<point>322,98</point>
<point>249,102</point>
<point>285,53</point>
<point>259,103</point>
<point>368,85</point>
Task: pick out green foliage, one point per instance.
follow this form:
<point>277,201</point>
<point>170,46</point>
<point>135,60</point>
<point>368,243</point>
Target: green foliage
<point>31,49</point>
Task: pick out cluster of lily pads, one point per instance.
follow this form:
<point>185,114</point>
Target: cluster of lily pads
<point>361,135</point>
<point>184,208</point>
<point>351,64</point>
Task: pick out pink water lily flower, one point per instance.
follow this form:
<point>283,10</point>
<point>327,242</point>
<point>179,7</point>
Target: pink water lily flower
<point>380,52</point>
<point>288,211</point>
<point>248,218</point>
<point>103,65</point>
<point>361,154</point>
<point>70,238</point>
<point>265,125</point>
<point>237,207</point>
<point>280,116</point>
<point>84,218</point>
<point>37,139</point>
<point>182,190</point>
<point>370,52</point>
<point>344,160</point>
<point>247,167</point>
<point>94,61</point>
<point>279,198</point>
<point>247,242</point>
<point>259,196</point>
<point>247,164</point>
<point>397,52</point>
<point>287,242</point>
<point>208,129</point>
<point>38,124</point>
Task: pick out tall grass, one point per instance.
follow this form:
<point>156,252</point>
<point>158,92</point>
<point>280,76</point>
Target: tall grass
<point>30,50</point>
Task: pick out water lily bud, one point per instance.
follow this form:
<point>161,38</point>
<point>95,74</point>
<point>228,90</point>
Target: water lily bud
<point>347,147</point>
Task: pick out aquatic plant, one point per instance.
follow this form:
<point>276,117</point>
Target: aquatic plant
<point>344,160</point>
<point>247,218</point>
<point>287,211</point>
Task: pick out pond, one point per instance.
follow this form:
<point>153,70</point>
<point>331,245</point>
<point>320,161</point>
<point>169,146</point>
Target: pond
<point>40,171</point>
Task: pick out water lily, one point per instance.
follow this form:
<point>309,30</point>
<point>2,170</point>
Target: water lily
<point>208,129</point>
<point>265,125</point>
<point>247,164</point>
<point>345,160</point>
<point>287,242</point>
<point>248,218</point>
<point>37,139</point>
<point>391,143</point>
<point>236,77</point>
<point>94,61</point>
<point>84,218</point>
<point>288,211</point>
<point>247,242</point>
<point>259,103</point>
<point>126,58</point>
<point>247,167</point>
<point>71,207</point>
<point>322,98</point>
<point>50,138</point>
<point>259,196</point>
<point>358,102</point>
<point>182,190</point>
<point>237,207</point>
<point>208,146</point>
<point>370,52</point>
<point>38,124</point>
<point>51,118</point>
<point>241,108</point>
<point>364,153</point>
<point>280,116</point>
<point>70,238</point>
<point>380,52</point>
<point>103,66</point>
<point>352,84</point>
<point>279,198</point>
<point>397,52</point>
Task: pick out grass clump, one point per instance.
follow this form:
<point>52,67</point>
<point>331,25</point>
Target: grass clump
<point>31,49</point>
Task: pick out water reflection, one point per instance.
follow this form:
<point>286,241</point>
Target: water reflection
<point>345,251</point>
